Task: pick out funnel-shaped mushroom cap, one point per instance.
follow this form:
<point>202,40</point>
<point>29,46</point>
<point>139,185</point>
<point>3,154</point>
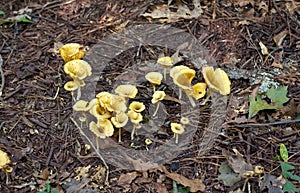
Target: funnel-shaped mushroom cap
<point>154,78</point>
<point>104,98</point>
<point>165,61</point>
<point>127,90</point>
<point>199,90</point>
<point>177,128</point>
<point>216,79</point>
<point>177,69</point>
<point>117,104</point>
<point>102,129</point>
<point>100,112</point>
<point>78,69</point>
<point>158,96</point>
<point>135,117</point>
<point>137,106</point>
<point>119,120</point>
<point>81,105</point>
<point>4,159</point>
<point>184,78</point>
<point>184,120</point>
<point>71,51</point>
<point>71,86</point>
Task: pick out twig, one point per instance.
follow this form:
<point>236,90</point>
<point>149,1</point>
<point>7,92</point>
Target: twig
<point>2,76</point>
<point>268,124</point>
<point>97,152</point>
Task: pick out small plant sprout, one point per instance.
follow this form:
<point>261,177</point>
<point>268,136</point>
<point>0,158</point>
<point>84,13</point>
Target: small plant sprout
<point>216,80</point>
<point>154,78</point>
<point>71,51</point>
<point>156,98</point>
<point>4,162</point>
<point>127,90</point>
<point>165,62</point>
<point>103,128</point>
<point>119,121</point>
<point>135,119</point>
<point>148,142</point>
<point>177,130</point>
<point>184,121</point>
<point>137,106</point>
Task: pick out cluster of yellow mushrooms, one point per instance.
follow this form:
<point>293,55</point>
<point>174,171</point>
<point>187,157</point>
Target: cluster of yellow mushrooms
<point>112,110</point>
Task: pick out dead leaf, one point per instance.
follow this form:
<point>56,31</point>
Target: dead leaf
<point>194,184</point>
<point>264,49</point>
<point>126,179</point>
<point>278,39</point>
<point>44,174</point>
<point>237,162</point>
<point>83,172</point>
<point>277,58</point>
<point>228,177</point>
<point>161,188</point>
<point>237,191</point>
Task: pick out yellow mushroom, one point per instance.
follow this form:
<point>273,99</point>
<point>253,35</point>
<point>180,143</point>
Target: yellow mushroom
<point>198,90</point>
<point>127,90</point>
<point>137,106</point>
<point>156,98</point>
<point>119,121</point>
<point>78,69</point>
<point>177,129</point>
<point>81,106</point>
<point>177,69</point>
<point>135,119</point>
<point>154,78</point>
<point>216,80</point>
<point>71,51</point>
<point>165,62</point>
<point>71,86</point>
<point>148,142</point>
<point>103,128</point>
<point>184,121</point>
<point>100,112</point>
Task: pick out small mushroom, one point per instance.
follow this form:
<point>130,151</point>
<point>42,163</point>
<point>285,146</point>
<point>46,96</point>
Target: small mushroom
<point>135,118</point>
<point>198,91</point>
<point>117,104</point>
<point>78,69</point>
<point>177,130</point>
<point>165,62</point>
<point>4,163</point>
<point>100,112</point>
<point>103,128</point>
<point>154,78</point>
<point>148,142</point>
<point>71,86</point>
<point>127,90</point>
<point>137,106</point>
<point>81,106</point>
<point>71,51</point>
<point>156,98</point>
<point>119,121</point>
<point>216,80</point>
<point>184,121</point>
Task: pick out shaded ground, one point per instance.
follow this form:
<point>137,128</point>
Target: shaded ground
<point>46,148</point>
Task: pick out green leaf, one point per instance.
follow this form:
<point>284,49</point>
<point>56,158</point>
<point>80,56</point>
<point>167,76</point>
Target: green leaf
<point>257,105</point>
<point>2,12</point>
<point>24,19</point>
<point>278,96</point>
<point>283,152</point>
<point>285,167</point>
<point>48,187</point>
<point>289,187</point>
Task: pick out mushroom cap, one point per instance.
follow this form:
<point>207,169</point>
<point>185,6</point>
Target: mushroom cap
<point>117,104</point>
<point>184,78</point>
<point>120,120</point>
<point>177,69</point>
<point>216,79</point>
<point>165,61</point>
<point>158,96</point>
<point>137,106</point>
<point>71,51</point>
<point>71,86</point>
<point>148,141</point>
<point>102,129</point>
<point>4,159</point>
<point>199,90</point>
<point>81,105</point>
<point>127,90</point>
<point>154,77</point>
<point>184,120</point>
<point>100,112</point>
<point>78,69</point>
<point>177,128</point>
<point>135,117</point>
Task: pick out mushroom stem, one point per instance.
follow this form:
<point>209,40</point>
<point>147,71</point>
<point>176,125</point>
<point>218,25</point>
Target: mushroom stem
<point>132,132</point>
<point>207,98</point>
<point>120,140</point>
<point>191,101</point>
<point>156,110</point>
<point>180,94</point>
<point>78,93</point>
<point>176,138</point>
<point>165,73</point>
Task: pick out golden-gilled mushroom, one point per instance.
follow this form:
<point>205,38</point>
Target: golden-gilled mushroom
<point>4,164</point>
<point>165,62</point>
<point>137,106</point>
<point>154,78</point>
<point>148,142</point>
<point>119,121</point>
<point>71,51</point>
<point>177,130</point>
<point>71,86</point>
<point>156,98</point>
<point>127,90</point>
<point>103,128</point>
<point>135,119</point>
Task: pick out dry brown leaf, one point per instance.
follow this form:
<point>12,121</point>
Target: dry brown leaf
<point>194,184</point>
<point>264,49</point>
<point>161,188</point>
<point>278,39</point>
<point>126,179</point>
<point>44,174</point>
<point>237,162</point>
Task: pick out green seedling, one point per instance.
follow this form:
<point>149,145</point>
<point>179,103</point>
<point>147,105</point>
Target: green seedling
<point>48,190</point>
